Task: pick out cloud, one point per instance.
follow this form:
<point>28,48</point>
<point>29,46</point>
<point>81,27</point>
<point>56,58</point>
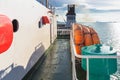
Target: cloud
<point>89,10</point>
<point>104,4</point>
<point>63,7</point>
<point>59,3</point>
<point>93,10</point>
<point>88,6</point>
<point>102,17</point>
<point>98,6</point>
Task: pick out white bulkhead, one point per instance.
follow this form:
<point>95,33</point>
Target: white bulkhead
<point>30,40</point>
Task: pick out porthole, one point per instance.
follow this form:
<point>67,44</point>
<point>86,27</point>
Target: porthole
<point>15,25</point>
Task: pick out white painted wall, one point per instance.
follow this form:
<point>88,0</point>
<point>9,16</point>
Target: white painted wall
<point>29,42</point>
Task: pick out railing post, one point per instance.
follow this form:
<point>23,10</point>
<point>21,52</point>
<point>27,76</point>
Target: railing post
<point>87,68</point>
<point>47,3</point>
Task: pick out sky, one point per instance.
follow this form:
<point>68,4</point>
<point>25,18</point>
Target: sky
<point>89,10</point>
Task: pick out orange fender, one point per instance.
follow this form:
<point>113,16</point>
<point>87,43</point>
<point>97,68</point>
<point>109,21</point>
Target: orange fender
<point>6,33</point>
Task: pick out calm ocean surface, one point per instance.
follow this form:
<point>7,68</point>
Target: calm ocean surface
<point>109,34</point>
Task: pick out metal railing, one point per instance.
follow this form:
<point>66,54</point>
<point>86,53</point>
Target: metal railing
<point>47,5</point>
<point>63,31</point>
<point>87,57</point>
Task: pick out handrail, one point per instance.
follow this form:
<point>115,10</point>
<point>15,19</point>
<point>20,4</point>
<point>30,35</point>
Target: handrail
<point>86,56</point>
<point>63,31</point>
<point>47,5</point>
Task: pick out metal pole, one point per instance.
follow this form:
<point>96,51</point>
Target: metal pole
<point>87,68</point>
<point>47,3</point>
<point>51,31</point>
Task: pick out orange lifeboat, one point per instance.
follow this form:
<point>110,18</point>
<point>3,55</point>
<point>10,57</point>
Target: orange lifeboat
<point>78,49</point>
<point>78,35</point>
<point>87,36</point>
<point>95,37</point>
<point>75,26</point>
<point>84,36</point>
